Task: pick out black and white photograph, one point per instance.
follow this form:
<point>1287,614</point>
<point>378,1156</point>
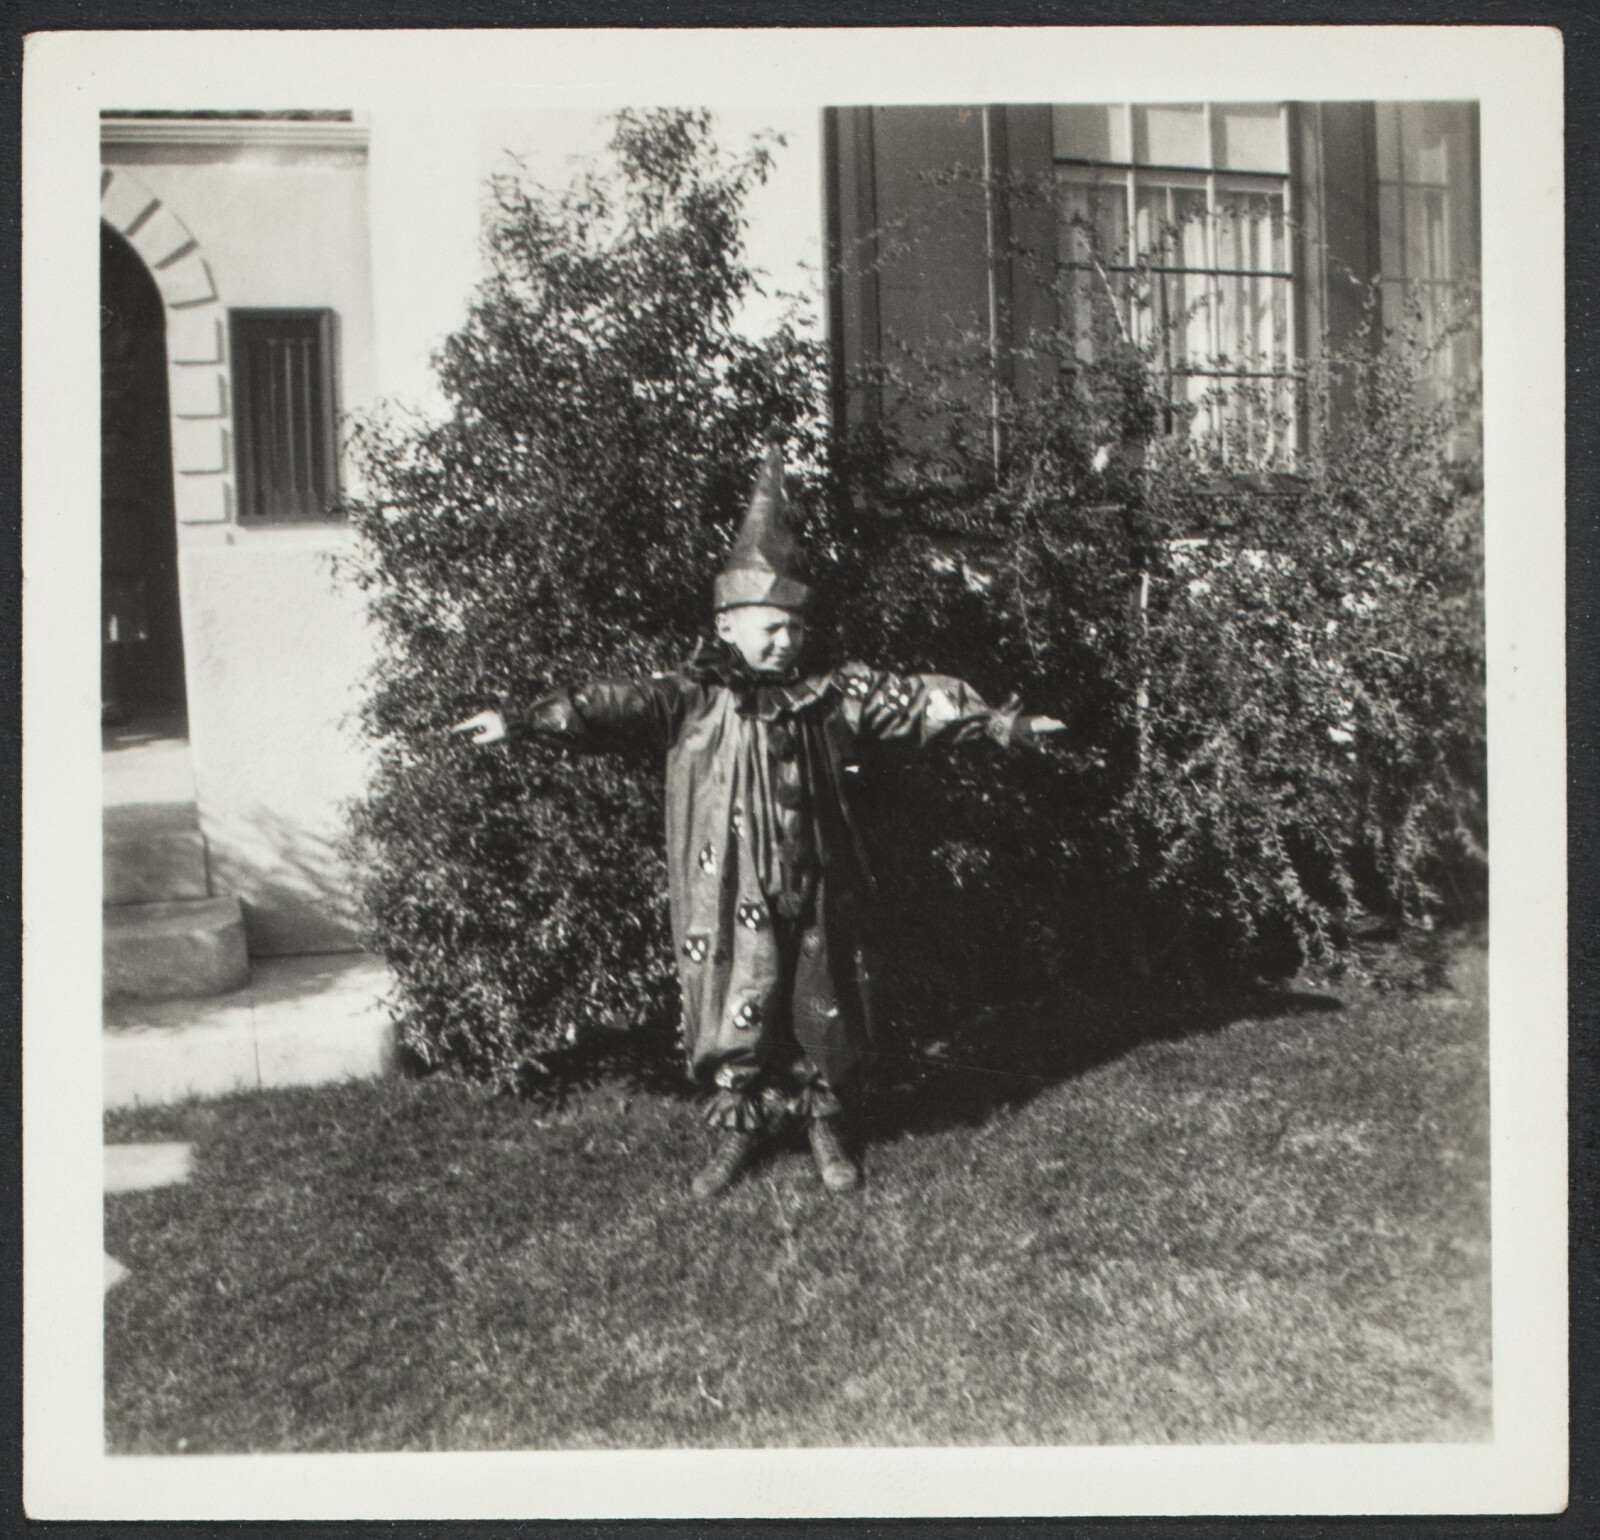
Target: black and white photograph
<point>792,770</point>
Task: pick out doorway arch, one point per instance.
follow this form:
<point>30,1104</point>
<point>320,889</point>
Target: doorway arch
<point>142,673</point>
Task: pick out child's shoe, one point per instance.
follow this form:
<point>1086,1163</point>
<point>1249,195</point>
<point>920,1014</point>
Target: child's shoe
<point>834,1166</point>
<point>733,1150</point>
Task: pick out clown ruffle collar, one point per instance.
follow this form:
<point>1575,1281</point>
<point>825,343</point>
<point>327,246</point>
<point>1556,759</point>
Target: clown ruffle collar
<point>759,694</point>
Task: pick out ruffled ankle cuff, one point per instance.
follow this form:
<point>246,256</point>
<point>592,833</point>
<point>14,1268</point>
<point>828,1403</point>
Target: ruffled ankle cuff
<point>815,1101</point>
<point>747,1111</point>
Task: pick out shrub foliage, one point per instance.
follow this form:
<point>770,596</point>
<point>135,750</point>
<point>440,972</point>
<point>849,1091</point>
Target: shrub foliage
<point>1273,682</point>
<point>1273,674</point>
<point>564,520</point>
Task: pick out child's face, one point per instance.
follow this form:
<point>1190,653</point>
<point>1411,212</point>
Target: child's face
<point>768,638</point>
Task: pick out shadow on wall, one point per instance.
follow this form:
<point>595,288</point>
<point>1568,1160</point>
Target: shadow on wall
<point>297,891</point>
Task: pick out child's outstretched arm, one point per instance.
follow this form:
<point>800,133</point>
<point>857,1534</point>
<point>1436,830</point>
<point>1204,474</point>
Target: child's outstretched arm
<point>932,708</point>
<point>599,715</point>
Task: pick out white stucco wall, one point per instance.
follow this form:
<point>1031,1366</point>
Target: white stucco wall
<point>274,649</point>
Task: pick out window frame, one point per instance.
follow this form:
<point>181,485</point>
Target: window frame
<point>1133,173</point>
<point>247,419</point>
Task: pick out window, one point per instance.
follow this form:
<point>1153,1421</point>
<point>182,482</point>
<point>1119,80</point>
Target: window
<point>284,405</point>
<point>1175,225</point>
<point>1427,228</point>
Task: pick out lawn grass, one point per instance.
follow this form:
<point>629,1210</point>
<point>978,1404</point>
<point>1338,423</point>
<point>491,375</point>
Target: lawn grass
<point>1126,1221</point>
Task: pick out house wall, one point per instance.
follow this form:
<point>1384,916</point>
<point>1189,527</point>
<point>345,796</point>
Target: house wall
<point>263,214</point>
<point>908,243</point>
<point>933,287</point>
<point>920,260</point>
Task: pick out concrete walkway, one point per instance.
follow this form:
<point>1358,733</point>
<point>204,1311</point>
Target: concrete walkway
<point>137,1168</point>
<point>299,1021</point>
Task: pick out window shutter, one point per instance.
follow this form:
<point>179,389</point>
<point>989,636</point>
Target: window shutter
<point>284,414</point>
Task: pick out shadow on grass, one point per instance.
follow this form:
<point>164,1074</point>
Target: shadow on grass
<point>1012,1054</point>
<point>1004,1058</point>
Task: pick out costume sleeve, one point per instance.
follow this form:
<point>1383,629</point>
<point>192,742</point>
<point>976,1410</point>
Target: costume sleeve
<point>923,709</point>
<point>606,714</point>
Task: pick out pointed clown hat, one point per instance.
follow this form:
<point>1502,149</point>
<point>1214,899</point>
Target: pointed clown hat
<point>765,565</point>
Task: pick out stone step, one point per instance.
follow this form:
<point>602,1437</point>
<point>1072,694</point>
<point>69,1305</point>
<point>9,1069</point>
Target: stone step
<point>153,851</point>
<point>178,949</point>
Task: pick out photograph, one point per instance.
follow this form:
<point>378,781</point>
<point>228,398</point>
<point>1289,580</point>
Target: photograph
<point>790,778</point>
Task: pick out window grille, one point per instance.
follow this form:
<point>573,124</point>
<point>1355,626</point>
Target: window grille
<point>284,410</point>
<point>1175,226</point>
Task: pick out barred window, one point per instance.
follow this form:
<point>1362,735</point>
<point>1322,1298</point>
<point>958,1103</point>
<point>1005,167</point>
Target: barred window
<point>284,414</point>
<point>1175,232</point>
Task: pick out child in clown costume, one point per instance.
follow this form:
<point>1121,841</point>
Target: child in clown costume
<point>768,886</point>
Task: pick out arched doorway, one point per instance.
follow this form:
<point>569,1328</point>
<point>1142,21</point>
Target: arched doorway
<point>141,630</point>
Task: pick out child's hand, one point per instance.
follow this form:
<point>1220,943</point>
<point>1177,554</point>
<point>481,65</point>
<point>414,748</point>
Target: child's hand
<point>486,727</point>
<point>1039,726</point>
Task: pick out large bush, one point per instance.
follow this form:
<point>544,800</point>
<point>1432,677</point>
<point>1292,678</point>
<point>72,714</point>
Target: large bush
<point>1272,674</point>
<point>606,424</point>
